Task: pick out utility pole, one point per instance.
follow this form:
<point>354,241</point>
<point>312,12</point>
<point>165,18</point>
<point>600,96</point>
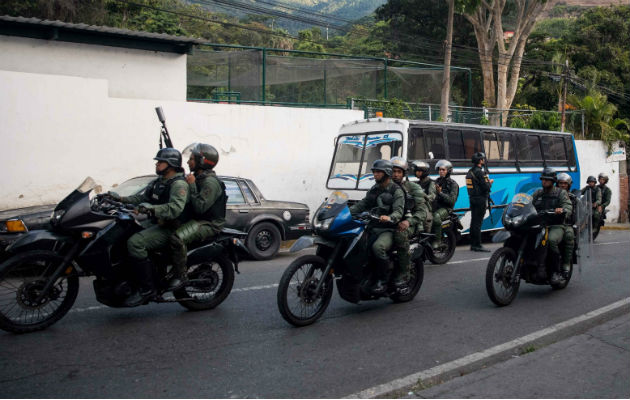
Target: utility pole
<point>565,76</point>
<point>326,32</point>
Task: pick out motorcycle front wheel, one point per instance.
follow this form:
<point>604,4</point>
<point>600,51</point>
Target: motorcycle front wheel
<point>499,285</point>
<point>299,302</point>
<point>23,306</point>
<point>445,251</point>
<point>209,283</point>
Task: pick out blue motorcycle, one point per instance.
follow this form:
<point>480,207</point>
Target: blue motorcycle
<point>342,254</point>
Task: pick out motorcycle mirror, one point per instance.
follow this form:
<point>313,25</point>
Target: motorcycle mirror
<point>160,114</point>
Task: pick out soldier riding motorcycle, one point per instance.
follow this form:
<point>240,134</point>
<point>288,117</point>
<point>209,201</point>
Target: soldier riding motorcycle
<point>446,225</point>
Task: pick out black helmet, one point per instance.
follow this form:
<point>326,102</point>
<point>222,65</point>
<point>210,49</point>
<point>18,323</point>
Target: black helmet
<point>399,162</point>
<point>445,164</point>
<point>591,179</point>
<point>170,156</point>
<point>603,175</point>
<point>478,157</point>
<point>205,155</point>
<point>564,177</point>
<point>548,173</point>
<point>421,166</point>
<point>384,166</point>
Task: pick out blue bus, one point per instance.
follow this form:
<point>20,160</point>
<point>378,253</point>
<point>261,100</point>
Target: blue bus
<point>515,157</point>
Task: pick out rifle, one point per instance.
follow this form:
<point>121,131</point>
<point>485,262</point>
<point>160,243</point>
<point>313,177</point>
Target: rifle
<point>164,131</point>
<point>490,201</point>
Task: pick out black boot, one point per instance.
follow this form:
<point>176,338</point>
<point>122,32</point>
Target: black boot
<point>380,286</point>
<point>179,279</point>
<point>146,288</point>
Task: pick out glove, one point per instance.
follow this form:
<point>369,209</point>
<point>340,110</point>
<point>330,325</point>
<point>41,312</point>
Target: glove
<point>146,208</point>
<point>114,196</point>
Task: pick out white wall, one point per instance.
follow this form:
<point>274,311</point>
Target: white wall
<point>137,74</point>
<point>592,157</point>
<point>56,130</point>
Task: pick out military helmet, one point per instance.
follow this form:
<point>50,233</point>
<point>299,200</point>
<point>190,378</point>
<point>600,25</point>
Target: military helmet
<point>548,173</point>
<point>170,156</point>
<point>399,162</point>
<point>478,156</point>
<point>421,166</point>
<point>564,177</point>
<point>444,164</point>
<point>591,179</point>
<point>603,175</point>
<point>383,165</point>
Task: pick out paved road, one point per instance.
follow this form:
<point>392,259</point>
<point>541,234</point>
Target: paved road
<point>245,349</point>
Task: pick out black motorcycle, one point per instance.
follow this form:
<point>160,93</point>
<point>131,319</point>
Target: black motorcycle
<point>525,253</point>
<point>342,254</point>
<point>88,235</point>
<point>451,229</point>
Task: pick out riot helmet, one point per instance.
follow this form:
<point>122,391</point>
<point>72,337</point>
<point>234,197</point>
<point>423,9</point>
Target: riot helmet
<point>383,165</point>
<point>548,173</point>
<point>399,162</point>
<point>564,177</point>
<point>478,156</point>
<point>444,164</point>
<point>603,175</point>
<point>591,179</point>
<point>170,156</point>
<point>205,155</point>
<point>422,167</point>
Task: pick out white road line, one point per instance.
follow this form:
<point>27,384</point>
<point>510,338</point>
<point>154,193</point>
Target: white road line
<point>465,261</point>
<point>410,380</point>
<point>601,244</point>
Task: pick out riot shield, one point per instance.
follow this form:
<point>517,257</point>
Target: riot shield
<point>584,228</point>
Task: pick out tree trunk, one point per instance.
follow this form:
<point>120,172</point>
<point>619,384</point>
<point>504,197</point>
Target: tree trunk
<point>446,77</point>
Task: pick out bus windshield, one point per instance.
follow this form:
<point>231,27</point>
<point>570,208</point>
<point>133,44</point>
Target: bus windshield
<point>355,154</point>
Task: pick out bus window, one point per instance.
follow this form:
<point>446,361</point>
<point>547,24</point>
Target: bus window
<point>472,143</point>
<point>346,163</point>
<point>425,144</point>
<point>455,144</point>
<point>462,145</point>
<point>553,150</point>
<point>506,146</point>
<point>380,146</point>
<point>528,148</point>
<point>570,151</point>
<point>491,146</point>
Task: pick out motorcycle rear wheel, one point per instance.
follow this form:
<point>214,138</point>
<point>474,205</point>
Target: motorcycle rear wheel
<point>445,252</point>
<point>499,285</point>
<point>298,302</point>
<point>564,282</point>
<point>209,284</point>
<point>22,278</point>
<point>415,282</point>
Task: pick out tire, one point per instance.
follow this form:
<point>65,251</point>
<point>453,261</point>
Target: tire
<point>415,282</point>
<point>217,278</point>
<point>565,282</point>
<point>446,251</point>
<point>293,283</point>
<point>263,241</point>
<point>498,274</point>
<point>21,279</point>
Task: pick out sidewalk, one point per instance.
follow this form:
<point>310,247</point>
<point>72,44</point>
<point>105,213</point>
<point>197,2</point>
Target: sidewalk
<point>595,364</point>
<point>618,226</point>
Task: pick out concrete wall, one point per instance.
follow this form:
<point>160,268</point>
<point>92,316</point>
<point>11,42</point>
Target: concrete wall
<point>56,130</point>
<point>592,156</point>
<point>137,74</point>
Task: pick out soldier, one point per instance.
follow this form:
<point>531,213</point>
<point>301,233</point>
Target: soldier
<point>163,200</point>
<point>206,208</point>
<point>388,199</point>
<point>606,194</point>
<point>478,186</point>
<point>564,182</point>
<point>447,193</point>
<point>553,198</point>
<point>413,219</point>
<point>421,171</point>
<point>596,199</point>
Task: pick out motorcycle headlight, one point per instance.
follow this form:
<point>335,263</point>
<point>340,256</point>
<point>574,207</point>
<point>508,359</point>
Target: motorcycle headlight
<point>56,216</point>
<point>325,224</point>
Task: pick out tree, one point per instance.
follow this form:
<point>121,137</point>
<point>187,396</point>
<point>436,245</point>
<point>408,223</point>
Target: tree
<point>487,22</point>
<point>599,114</point>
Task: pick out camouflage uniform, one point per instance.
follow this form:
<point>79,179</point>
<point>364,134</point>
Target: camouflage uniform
<point>552,199</point>
<point>444,202</point>
<point>416,217</point>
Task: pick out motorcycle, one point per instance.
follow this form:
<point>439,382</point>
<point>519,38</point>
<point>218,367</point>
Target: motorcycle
<point>525,252</point>
<point>451,229</point>
<point>342,255</point>
<point>39,283</point>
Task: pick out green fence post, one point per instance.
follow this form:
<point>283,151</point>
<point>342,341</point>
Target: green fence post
<point>385,80</point>
<point>264,73</point>
<point>324,83</point>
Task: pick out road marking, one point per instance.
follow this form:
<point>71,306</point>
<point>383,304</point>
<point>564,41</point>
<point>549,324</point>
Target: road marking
<point>484,358</point>
<point>465,261</point>
<point>601,244</point>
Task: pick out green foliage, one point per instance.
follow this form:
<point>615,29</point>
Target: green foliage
<point>599,118</point>
<point>395,108</point>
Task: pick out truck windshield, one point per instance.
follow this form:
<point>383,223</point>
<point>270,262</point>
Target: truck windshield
<point>355,154</point>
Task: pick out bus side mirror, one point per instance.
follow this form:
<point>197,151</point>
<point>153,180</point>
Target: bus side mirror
<point>160,114</point>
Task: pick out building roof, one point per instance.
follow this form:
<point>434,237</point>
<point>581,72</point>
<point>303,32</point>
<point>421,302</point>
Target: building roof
<point>93,34</point>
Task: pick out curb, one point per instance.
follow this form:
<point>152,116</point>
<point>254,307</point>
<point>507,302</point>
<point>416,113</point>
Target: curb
<point>615,228</point>
<point>465,365</point>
